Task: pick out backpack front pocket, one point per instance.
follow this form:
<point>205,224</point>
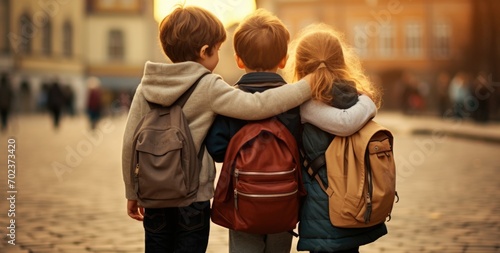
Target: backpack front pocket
<point>158,163</point>
<point>259,204</point>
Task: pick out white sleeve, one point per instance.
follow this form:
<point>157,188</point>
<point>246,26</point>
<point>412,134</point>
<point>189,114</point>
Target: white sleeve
<point>340,122</point>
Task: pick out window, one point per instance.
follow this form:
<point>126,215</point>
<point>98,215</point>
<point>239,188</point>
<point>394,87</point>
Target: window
<point>67,39</point>
<point>26,32</point>
<point>361,41</point>
<point>386,41</point>
<point>413,40</point>
<point>116,6</point>
<point>47,38</point>
<point>442,35</point>
<point>116,48</point>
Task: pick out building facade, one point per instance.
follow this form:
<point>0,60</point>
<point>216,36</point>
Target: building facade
<point>121,37</point>
<point>69,41</point>
<point>44,42</point>
<point>391,36</point>
<point>5,54</point>
<point>112,39</point>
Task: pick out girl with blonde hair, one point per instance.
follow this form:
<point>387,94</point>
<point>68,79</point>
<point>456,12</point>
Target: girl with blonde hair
<point>320,51</point>
<point>336,79</point>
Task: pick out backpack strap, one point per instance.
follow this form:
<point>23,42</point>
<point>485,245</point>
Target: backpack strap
<point>369,189</point>
<point>313,169</point>
<point>181,101</point>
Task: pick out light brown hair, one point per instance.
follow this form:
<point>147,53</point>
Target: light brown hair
<point>186,30</point>
<point>261,41</point>
<point>321,51</point>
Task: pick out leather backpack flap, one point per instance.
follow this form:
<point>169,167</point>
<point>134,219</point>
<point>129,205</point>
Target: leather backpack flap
<point>336,156</point>
<point>381,143</point>
<point>346,181</point>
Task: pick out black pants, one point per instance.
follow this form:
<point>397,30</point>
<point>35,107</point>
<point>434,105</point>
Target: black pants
<point>177,229</point>
<point>4,115</point>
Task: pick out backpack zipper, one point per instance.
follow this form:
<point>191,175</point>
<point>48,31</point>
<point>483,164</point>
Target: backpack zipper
<point>137,170</point>
<point>276,195</point>
<point>137,164</point>
<point>238,172</point>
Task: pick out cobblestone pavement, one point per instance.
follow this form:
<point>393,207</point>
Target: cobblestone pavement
<point>70,193</point>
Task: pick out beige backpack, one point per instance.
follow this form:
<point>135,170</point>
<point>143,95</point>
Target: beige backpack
<point>361,177</point>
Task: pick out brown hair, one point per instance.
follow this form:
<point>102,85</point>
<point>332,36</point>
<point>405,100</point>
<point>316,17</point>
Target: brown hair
<point>321,52</point>
<point>186,30</point>
<point>261,41</point>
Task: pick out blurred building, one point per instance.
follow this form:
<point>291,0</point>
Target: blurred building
<point>112,39</point>
<point>394,37</point>
<point>391,36</point>
<point>5,52</point>
<point>68,41</point>
<point>44,43</point>
<point>121,37</point>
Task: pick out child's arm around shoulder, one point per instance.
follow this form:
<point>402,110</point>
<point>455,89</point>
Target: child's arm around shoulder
<point>229,101</point>
<point>340,122</point>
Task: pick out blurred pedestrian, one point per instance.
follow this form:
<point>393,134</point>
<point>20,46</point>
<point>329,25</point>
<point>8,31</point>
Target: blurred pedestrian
<point>6,95</point>
<point>125,101</point>
<point>69,99</point>
<point>25,96</point>
<point>55,102</point>
<point>443,84</point>
<point>413,100</point>
<point>483,93</point>
<point>94,101</point>
<point>42,97</point>
<point>459,92</point>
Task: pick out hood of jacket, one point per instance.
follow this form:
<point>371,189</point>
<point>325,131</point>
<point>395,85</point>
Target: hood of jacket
<point>164,83</point>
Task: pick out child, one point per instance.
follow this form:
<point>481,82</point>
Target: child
<point>336,79</point>
<point>261,46</point>
<point>191,37</point>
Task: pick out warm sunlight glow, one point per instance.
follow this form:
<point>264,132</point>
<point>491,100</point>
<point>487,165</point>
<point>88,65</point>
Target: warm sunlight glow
<point>229,12</point>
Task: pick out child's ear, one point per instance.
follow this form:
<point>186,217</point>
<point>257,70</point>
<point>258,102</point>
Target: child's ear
<point>283,61</point>
<point>203,52</point>
<point>239,62</point>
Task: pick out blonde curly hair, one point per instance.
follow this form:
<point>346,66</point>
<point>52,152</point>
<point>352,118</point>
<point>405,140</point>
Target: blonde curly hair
<point>321,51</point>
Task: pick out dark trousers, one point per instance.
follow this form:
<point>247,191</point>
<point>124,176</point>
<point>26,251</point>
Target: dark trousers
<point>4,115</point>
<point>177,229</point>
<point>56,116</point>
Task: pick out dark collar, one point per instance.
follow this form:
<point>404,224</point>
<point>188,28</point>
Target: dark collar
<point>260,77</point>
<point>260,81</point>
